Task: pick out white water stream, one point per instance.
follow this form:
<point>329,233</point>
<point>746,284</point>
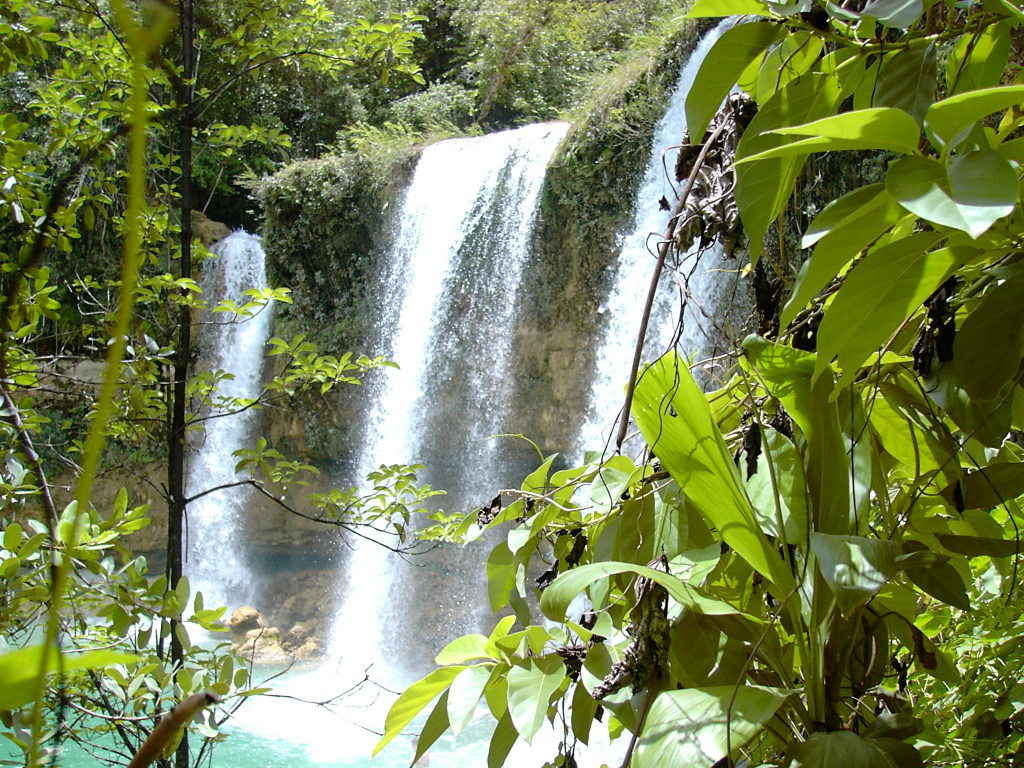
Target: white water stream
<point>460,248</point>
<point>216,564</point>
<point>622,311</point>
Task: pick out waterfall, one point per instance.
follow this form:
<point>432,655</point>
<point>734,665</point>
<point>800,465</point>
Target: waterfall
<point>621,312</point>
<point>449,311</point>
<point>216,565</point>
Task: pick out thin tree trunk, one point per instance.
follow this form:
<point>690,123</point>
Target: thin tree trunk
<point>177,438</point>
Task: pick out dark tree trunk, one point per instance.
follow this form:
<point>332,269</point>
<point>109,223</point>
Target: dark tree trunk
<point>177,437</point>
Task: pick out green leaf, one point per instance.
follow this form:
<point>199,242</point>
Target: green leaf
<point>843,234</point>
<point>675,419</point>
<point>412,700</point>
<point>763,187</point>
<point>464,695</point>
<point>20,669</point>
<point>943,582</point>
<point>530,687</point>
<point>855,567</point>
<point>502,741</point>
<point>907,80</point>
<point>788,471</point>
<point>883,128</point>
<point>436,724</point>
<point>787,373</point>
<point>988,487</point>
<point>555,600</point>
<point>501,575</point>
<point>792,57</point>
<point>978,546</point>
<point>725,62</point>
<point>948,118</point>
<point>894,13</point>
<point>879,293</point>
<point>695,726</point>
<point>847,749</point>
<point>978,60</point>
<point>989,346</point>
<point>717,8</point>
<point>463,649</point>
<point>894,725</point>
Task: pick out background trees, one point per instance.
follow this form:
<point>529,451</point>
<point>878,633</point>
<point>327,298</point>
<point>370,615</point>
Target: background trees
<point>811,564</point>
<point>121,105</point>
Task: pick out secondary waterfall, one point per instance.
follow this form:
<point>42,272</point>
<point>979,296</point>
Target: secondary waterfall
<point>448,315</point>
<point>216,564</point>
<point>622,311</point>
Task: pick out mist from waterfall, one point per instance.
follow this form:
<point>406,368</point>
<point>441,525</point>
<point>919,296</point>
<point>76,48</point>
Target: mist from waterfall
<point>216,565</point>
<point>461,245</point>
<point>621,313</point>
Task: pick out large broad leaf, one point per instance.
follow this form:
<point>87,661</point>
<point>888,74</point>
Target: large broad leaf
<point>989,346</point>
<point>555,600</point>
<point>949,118</point>
<point>943,582</point>
<point>675,419</point>
<point>436,724</point>
<point>846,227</point>
<point>787,373</point>
<point>412,700</point>
<point>900,14</point>
<point>979,546</point>
<point>725,62</point>
<point>763,187</point>
<point>715,8</point>
<point>20,669</point>
<point>978,61</point>
<point>879,128</point>
<point>855,567</point>
<point>782,482</point>
<point>845,749</point>
<point>696,726</point>
<point>976,190</point>
<point>988,487</point>
<point>879,294</point>
<point>793,56</point>
<point>502,741</point>
<point>530,687</point>
<point>907,80</point>
<point>464,695</point>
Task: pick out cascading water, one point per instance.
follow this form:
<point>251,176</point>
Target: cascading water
<point>449,310</point>
<point>622,311</point>
<point>216,564</point>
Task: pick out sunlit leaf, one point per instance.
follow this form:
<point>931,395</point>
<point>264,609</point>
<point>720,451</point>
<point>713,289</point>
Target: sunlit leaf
<point>412,700</point>
<point>530,688</point>
<point>882,291</point>
<point>879,128</point>
<point>946,119</point>
<point>726,60</point>
<point>696,726</point>
<point>674,417</point>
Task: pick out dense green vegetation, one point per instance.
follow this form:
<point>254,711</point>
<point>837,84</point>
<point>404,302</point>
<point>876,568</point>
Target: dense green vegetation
<point>815,564</point>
